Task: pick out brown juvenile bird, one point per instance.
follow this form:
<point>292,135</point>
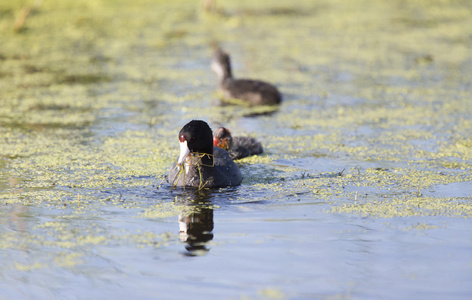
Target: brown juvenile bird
<point>237,147</point>
<point>252,92</point>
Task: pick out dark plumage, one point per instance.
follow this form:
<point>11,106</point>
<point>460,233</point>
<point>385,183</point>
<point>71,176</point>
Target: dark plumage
<point>237,147</point>
<point>202,164</point>
<point>253,92</point>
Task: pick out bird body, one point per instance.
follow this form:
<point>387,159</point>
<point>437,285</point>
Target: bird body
<point>200,164</point>
<point>237,147</point>
<point>252,92</point>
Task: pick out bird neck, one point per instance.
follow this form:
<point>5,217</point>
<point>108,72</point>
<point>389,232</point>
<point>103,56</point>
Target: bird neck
<point>223,71</point>
<point>203,159</point>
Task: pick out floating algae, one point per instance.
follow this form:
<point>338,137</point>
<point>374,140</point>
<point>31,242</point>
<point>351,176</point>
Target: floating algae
<point>410,207</point>
<point>375,121</point>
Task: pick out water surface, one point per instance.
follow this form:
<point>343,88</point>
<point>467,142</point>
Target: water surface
<point>363,190</point>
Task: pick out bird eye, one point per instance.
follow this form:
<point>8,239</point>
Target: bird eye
<point>182,138</point>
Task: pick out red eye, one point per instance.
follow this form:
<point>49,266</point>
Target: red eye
<point>182,138</point>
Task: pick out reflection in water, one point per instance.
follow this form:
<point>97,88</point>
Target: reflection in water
<point>15,216</point>
<point>17,212</point>
<point>196,228</point>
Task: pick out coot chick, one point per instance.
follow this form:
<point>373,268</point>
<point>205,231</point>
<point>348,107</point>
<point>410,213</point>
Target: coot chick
<point>252,92</point>
<point>237,147</point>
<point>200,164</point>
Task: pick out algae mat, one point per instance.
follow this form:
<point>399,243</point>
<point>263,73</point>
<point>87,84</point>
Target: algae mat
<point>364,188</point>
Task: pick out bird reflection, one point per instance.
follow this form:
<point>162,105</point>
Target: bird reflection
<point>196,228</point>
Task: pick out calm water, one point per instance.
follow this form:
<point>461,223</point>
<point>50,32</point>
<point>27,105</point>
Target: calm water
<point>260,250</point>
<point>363,192</point>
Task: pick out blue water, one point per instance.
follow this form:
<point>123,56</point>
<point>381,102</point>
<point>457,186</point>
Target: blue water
<point>287,250</point>
<point>269,238</point>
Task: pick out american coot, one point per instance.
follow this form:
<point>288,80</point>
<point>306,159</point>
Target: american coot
<point>200,164</point>
<point>252,92</point>
<point>237,147</point>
